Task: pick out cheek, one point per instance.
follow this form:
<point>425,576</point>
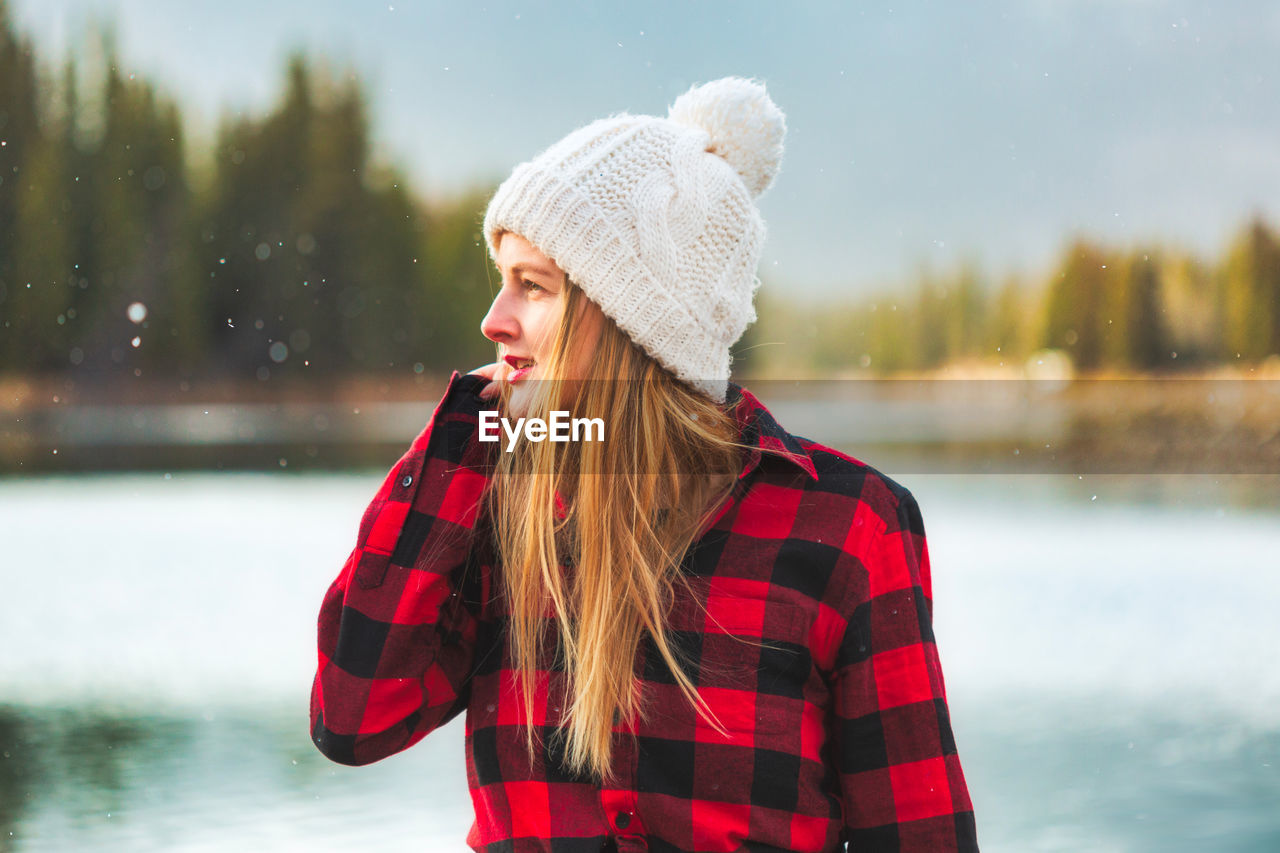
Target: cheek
<point>541,328</point>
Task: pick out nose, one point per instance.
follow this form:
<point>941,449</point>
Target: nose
<point>500,325</point>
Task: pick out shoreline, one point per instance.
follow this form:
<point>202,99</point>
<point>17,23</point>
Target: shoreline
<point>1213,421</point>
<point>21,391</point>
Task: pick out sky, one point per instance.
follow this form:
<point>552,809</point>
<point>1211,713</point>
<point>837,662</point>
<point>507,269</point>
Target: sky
<point>920,135</point>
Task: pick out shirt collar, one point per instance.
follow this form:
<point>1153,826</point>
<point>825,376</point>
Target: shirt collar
<point>759,429</point>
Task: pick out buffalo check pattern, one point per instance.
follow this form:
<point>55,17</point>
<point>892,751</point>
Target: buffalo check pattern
<point>806,623</point>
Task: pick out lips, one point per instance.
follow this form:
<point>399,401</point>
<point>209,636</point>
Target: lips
<point>520,367</point>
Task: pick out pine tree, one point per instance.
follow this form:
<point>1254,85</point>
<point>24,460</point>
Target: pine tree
<point>1145,335</point>
<point>1074,316</point>
<point>20,141</point>
<point>1252,293</point>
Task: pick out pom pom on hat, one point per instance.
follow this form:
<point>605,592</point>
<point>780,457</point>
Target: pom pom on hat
<point>745,125</point>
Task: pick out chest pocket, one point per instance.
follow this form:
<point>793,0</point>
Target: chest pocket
<point>748,654</point>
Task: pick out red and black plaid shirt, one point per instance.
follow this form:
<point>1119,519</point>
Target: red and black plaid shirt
<point>808,633</point>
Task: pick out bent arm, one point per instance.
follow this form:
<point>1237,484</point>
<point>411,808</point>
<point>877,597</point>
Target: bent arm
<point>901,782</point>
<point>398,627</point>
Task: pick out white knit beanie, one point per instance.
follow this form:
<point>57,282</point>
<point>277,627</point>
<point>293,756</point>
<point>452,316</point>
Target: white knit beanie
<point>655,219</point>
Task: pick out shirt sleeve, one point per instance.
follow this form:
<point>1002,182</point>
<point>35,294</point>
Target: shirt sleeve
<point>901,783</point>
<point>399,626</point>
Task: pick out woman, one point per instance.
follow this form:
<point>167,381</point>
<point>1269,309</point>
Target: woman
<point>700,633</point>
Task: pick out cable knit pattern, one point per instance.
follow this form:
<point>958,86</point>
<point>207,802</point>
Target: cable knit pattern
<point>655,219</point>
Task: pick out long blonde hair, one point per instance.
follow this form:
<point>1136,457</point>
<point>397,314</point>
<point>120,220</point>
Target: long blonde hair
<point>631,507</point>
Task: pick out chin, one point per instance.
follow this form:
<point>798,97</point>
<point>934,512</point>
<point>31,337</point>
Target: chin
<point>518,403</point>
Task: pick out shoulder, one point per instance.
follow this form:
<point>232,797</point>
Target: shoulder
<point>838,492</point>
<point>807,469</point>
<point>847,477</point>
<point>842,527</point>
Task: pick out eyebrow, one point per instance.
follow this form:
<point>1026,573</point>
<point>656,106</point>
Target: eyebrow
<point>523,267</point>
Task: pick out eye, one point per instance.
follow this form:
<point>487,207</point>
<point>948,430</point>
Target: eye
<point>532,287</point>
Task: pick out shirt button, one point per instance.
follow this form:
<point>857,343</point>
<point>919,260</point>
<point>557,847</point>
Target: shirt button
<point>407,481</point>
<point>623,820</point>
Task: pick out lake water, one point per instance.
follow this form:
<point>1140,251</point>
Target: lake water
<point>1111,648</point>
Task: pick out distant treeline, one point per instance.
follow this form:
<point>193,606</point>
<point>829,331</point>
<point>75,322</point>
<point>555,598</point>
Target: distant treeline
<point>288,252</point>
<point>292,254</point>
<point>1151,309</point>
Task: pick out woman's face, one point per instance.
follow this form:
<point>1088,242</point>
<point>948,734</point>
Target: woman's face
<point>525,316</point>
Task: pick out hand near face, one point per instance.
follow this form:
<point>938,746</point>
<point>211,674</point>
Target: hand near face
<point>493,372</point>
